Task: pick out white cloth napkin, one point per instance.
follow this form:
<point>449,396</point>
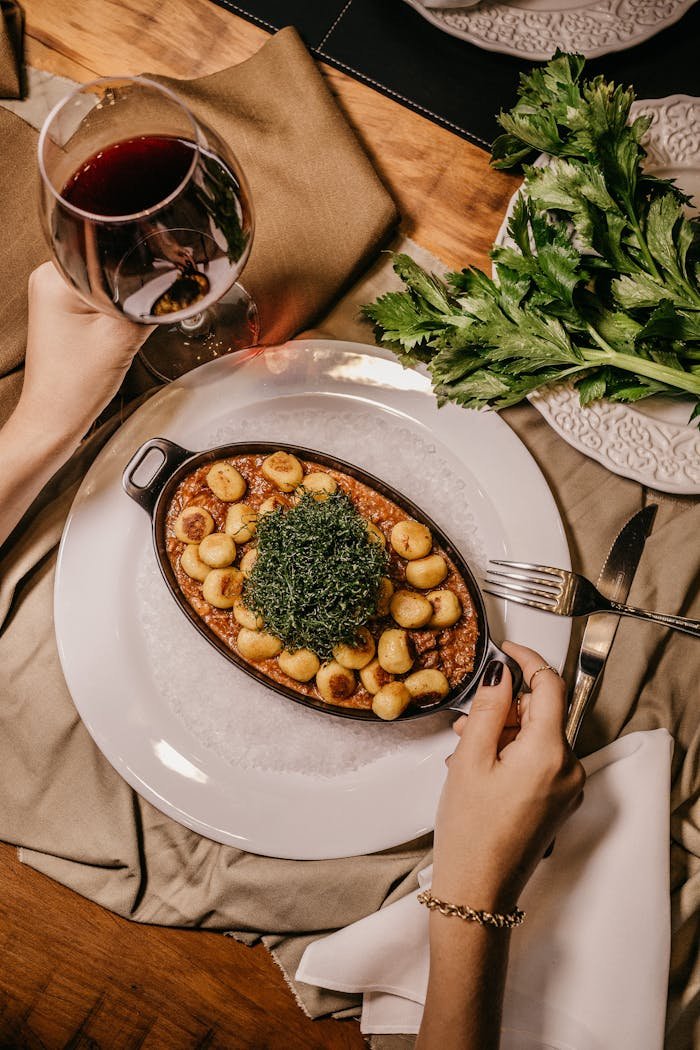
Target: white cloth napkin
<point>588,969</point>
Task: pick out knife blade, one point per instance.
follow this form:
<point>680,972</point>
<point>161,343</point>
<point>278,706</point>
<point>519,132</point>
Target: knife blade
<point>614,582</point>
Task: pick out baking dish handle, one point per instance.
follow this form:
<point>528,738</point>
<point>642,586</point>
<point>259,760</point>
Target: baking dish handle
<point>464,702</point>
<point>147,495</point>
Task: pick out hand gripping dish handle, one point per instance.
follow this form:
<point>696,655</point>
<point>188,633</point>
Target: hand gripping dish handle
<point>463,703</point>
<point>147,495</point>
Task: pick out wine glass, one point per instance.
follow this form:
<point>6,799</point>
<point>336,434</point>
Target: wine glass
<point>149,215</point>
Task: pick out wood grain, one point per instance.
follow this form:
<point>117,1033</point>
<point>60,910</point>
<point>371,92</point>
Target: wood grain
<point>450,199</point>
<point>75,975</point>
<point>72,974</point>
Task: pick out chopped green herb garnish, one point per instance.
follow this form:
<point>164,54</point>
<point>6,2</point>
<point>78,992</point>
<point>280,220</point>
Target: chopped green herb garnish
<point>602,284</point>
<point>316,579</point>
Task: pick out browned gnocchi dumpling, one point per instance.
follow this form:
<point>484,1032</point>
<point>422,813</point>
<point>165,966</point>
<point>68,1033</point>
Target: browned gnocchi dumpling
<point>426,572</point>
<point>284,470</point>
<point>193,524</point>
<point>447,608</point>
<point>222,587</point>
<point>227,483</point>
<point>334,682</point>
<point>193,565</point>
<point>320,485</point>
<point>301,665</point>
<point>410,609</point>
<point>218,550</point>
<point>246,617</point>
<point>241,522</point>
<point>373,676</point>
<point>271,504</point>
<point>395,651</point>
<point>386,590</point>
<point>391,701</point>
<point>257,645</point>
<point>248,561</point>
<point>411,540</point>
<point>357,655</point>
<point>428,684</point>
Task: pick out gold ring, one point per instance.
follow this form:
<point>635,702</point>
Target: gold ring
<point>517,709</point>
<point>544,667</point>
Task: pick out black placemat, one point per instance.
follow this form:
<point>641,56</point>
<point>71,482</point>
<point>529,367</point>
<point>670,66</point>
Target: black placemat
<point>394,49</point>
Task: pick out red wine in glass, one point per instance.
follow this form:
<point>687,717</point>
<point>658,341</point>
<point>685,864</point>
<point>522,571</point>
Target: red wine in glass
<point>175,243</point>
<point>149,216</point>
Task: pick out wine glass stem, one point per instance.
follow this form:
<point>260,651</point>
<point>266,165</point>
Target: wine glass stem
<point>198,326</point>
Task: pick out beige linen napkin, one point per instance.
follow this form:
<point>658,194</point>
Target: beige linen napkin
<point>11,49</point>
<point>78,822</point>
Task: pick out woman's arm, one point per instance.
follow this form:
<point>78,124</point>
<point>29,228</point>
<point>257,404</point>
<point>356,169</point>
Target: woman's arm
<point>75,361</point>
<point>508,789</point>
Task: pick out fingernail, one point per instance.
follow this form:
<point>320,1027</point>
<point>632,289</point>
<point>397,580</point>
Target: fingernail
<point>493,673</point>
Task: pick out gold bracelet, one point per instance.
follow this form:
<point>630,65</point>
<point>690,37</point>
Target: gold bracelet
<point>463,911</point>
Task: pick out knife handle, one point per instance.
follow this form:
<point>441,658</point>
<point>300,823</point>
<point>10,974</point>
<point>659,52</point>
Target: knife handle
<point>677,623</point>
<point>580,701</point>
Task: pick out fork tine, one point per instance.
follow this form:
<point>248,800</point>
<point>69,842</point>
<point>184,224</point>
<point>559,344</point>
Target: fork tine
<point>548,570</point>
<point>552,586</point>
<point>510,597</point>
<point>528,589</point>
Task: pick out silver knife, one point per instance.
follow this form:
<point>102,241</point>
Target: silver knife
<point>614,582</point>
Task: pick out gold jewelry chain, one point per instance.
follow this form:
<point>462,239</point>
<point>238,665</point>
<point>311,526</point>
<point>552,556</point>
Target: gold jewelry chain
<point>463,911</point>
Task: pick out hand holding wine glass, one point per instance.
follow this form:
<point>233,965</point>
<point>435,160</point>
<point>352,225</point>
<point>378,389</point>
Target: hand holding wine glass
<point>75,361</point>
<point>149,216</point>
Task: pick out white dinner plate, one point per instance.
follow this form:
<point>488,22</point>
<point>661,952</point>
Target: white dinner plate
<point>194,735</point>
<point>651,440</point>
<point>534,29</point>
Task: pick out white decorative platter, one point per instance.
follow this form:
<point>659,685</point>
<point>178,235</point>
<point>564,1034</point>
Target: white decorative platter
<point>197,737</point>
<point>534,29</point>
<point>650,441</point>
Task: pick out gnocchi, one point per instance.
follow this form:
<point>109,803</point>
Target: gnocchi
<point>395,651</point>
<point>410,609</point>
<point>301,665</point>
<point>427,684</point>
<point>217,550</point>
<point>241,522</point>
<point>193,524</point>
<point>284,470</point>
<point>335,683</point>
<point>447,608</point>
<point>270,505</point>
<point>258,645</point>
<point>391,701</point>
<point>248,561</point>
<point>227,483</point>
<point>320,485</point>
<point>357,655</point>
<point>192,564</point>
<point>246,617</point>
<point>426,572</point>
<point>386,589</point>
<point>222,587</point>
<point>373,676</point>
<point>411,540</point>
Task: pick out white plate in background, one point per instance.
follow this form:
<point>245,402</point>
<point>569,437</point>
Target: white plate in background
<point>534,29</point>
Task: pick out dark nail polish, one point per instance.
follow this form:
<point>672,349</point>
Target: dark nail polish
<point>493,673</point>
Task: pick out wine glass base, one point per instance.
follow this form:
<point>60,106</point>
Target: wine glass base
<point>229,325</point>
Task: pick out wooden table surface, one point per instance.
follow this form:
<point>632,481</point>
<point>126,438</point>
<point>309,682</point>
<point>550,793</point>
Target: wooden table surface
<point>72,974</point>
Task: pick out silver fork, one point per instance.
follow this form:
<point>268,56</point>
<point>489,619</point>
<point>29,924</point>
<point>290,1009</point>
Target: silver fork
<point>568,594</point>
